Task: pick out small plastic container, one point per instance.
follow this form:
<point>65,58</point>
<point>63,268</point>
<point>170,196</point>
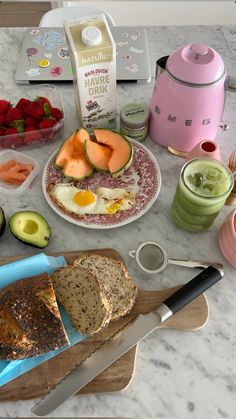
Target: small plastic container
<point>31,92</point>
<point>15,190</point>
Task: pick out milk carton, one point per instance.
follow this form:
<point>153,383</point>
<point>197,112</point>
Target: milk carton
<point>93,58</point>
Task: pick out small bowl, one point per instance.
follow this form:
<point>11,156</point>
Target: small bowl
<point>15,190</point>
<point>32,92</point>
<point>227,238</point>
<point>205,148</point>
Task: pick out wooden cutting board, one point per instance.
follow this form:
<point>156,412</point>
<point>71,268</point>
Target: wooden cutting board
<point>37,382</point>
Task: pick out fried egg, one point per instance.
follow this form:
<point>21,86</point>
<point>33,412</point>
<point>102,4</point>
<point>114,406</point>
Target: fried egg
<point>99,201</point>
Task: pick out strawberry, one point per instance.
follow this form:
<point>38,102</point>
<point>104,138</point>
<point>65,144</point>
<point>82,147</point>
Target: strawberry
<point>22,103</point>
<point>34,110</point>
<point>12,115</point>
<point>47,123</point>
<point>56,113</point>
<point>43,100</point>
<point>19,124</point>
<point>32,135</point>
<point>2,132</point>
<point>10,131</point>
<point>2,120</point>
<point>12,138</point>
<point>4,106</point>
<point>30,122</point>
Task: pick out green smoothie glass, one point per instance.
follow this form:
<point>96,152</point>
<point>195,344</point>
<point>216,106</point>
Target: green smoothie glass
<point>203,188</point>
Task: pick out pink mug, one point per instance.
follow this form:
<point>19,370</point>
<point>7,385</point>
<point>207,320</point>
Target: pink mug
<point>227,238</point>
<point>206,148</point>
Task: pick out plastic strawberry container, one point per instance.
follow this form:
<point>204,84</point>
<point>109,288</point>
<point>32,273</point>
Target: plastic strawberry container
<point>46,135</point>
<point>15,190</point>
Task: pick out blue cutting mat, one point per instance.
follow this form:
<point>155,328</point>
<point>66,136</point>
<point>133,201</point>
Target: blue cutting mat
<point>9,370</point>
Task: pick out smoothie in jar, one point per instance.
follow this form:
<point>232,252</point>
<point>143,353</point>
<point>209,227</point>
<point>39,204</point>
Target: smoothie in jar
<point>202,190</point>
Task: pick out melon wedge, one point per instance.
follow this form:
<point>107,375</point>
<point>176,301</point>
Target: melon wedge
<point>122,150</point>
<point>77,168</point>
<point>65,152</point>
<point>80,137</point>
<point>97,155</point>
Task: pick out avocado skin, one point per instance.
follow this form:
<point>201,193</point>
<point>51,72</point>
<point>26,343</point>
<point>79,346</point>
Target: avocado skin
<point>2,221</point>
<point>18,236</point>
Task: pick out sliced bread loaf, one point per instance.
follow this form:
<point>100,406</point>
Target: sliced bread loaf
<point>30,322</point>
<point>87,302</point>
<point>116,278</point>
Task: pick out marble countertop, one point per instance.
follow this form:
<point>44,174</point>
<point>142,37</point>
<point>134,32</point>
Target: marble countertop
<point>178,374</point>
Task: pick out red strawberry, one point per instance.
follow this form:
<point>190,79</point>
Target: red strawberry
<point>47,123</point>
<point>22,103</point>
<point>2,132</point>
<point>2,120</point>
<point>30,122</point>
<point>34,110</point>
<point>31,135</point>
<point>10,131</point>
<point>56,113</point>
<point>12,115</point>
<point>43,100</point>
<point>12,138</point>
<point>4,106</point>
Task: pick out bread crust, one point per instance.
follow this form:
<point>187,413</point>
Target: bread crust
<point>125,293</point>
<point>30,322</point>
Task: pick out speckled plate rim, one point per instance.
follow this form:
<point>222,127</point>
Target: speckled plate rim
<point>97,226</point>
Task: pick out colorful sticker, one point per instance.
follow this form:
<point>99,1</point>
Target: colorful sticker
<point>43,63</point>
<point>122,43</point>
<point>137,51</point>
<point>50,40</point>
<point>64,53</point>
<point>133,68</point>
<point>124,35</point>
<point>135,35</point>
<point>56,71</point>
<point>48,55</point>
<point>34,31</point>
<point>126,57</point>
<point>30,52</point>
<point>32,72</point>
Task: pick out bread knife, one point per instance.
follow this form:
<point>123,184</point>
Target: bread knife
<point>124,340</point>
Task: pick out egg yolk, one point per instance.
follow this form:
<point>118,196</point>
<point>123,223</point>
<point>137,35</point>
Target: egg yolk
<point>84,198</point>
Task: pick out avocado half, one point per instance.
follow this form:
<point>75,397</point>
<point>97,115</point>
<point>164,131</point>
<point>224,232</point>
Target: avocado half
<point>2,221</point>
<point>30,228</point>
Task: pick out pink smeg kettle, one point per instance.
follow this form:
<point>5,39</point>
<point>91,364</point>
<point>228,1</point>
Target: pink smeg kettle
<point>188,97</point>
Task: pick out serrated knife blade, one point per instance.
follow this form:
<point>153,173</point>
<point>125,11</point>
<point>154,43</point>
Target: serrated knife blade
<point>124,340</point>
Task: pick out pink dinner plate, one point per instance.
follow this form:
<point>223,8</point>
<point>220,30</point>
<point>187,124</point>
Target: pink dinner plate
<point>143,178</point>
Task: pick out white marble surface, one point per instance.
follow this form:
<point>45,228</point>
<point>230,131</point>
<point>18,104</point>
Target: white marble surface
<point>177,374</point>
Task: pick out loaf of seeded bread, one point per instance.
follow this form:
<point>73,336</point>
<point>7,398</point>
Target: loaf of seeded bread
<point>114,275</point>
<point>30,322</point>
<point>87,302</point>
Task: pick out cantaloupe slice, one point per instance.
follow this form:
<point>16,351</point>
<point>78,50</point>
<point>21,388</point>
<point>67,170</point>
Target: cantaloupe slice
<point>77,168</point>
<point>97,155</point>
<point>78,142</point>
<point>122,150</point>
<point>65,152</point>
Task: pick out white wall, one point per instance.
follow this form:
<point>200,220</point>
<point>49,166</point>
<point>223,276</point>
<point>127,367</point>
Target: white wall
<point>144,12</point>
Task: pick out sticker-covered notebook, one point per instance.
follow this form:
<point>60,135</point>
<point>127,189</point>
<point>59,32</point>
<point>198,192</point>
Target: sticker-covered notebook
<point>45,57</point>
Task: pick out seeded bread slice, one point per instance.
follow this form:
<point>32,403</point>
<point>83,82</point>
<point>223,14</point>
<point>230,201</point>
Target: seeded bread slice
<point>87,302</point>
<point>30,322</point>
<point>116,278</point>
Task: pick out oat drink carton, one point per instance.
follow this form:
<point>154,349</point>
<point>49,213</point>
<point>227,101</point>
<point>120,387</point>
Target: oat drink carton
<point>93,58</point>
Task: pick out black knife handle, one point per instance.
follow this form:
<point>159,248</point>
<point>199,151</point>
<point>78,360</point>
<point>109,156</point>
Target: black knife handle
<point>193,288</point>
